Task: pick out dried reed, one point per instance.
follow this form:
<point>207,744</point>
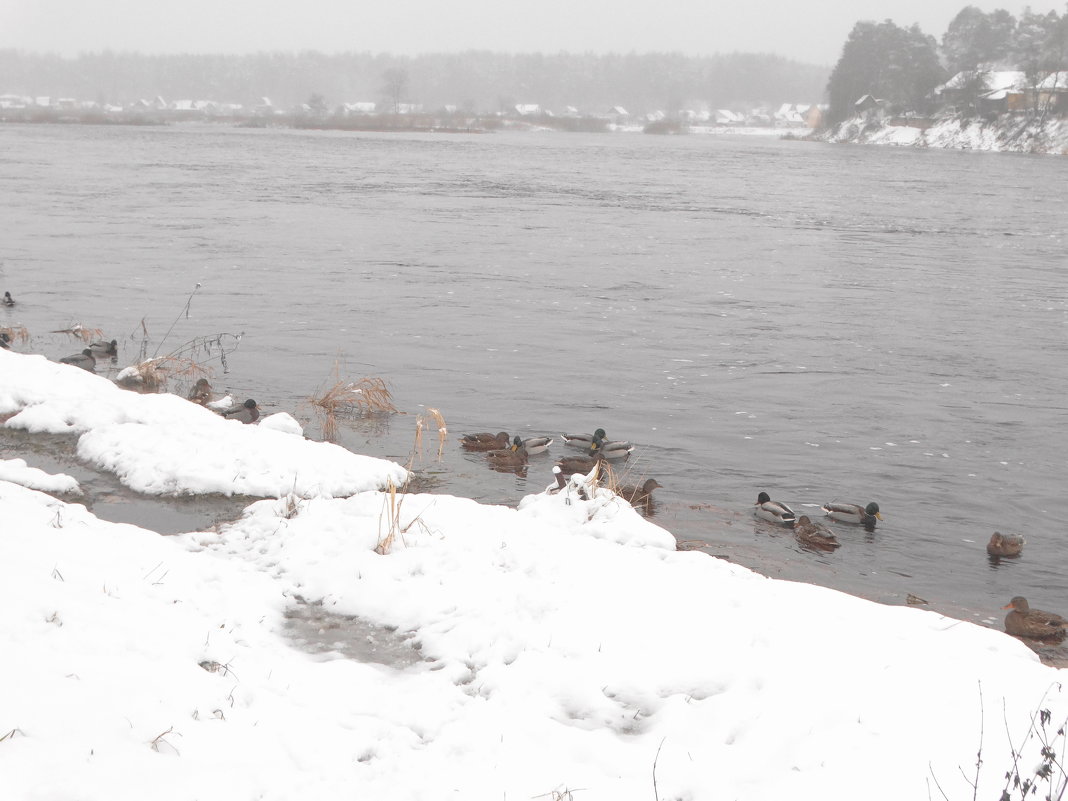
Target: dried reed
<point>432,416</point>
<point>343,399</point>
<point>16,333</point>
<point>79,331</point>
<point>152,375</point>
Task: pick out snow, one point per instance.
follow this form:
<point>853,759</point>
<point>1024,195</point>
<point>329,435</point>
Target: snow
<point>1007,134</point>
<point>561,648</point>
<point>17,472</point>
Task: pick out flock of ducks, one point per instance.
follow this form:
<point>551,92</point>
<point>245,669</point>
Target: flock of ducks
<point>201,393</point>
<point>511,454</point>
<point>1022,621</point>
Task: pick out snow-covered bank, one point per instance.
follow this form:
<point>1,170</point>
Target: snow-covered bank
<point>565,646</point>
<point>162,444</point>
<point>1008,134</point>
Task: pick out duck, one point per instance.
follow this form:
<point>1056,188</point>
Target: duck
<point>105,348</point>
<point>484,441</point>
<point>809,532</point>
<point>5,340</point>
<point>508,458</point>
<point>853,513</point>
<point>1005,544</point>
<point>583,440</point>
<point>8,300</point>
<point>639,494</point>
<point>579,464</point>
<point>774,511</point>
<point>247,412</point>
<point>535,445</point>
<point>614,449</point>
<point>1023,621</point>
<point>561,481</point>
<point>200,394</point>
<point>85,360</point>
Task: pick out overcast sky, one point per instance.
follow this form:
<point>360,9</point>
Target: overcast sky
<point>808,30</point>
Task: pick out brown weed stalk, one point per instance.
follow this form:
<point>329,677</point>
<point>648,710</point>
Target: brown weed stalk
<point>78,331</point>
<point>15,333</point>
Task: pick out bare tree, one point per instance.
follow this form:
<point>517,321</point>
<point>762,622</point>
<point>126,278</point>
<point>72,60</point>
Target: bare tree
<point>395,84</point>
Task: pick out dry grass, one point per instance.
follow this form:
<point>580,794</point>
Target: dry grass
<point>16,333</point>
<point>346,399</point>
<point>432,418</point>
<point>152,375</point>
<point>78,331</point>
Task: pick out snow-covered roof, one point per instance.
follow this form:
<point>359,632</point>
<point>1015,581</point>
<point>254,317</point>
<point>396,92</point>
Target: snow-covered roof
<point>993,80</point>
<point>1055,80</point>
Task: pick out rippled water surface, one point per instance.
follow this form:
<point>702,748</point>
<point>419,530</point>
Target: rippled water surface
<point>816,321</point>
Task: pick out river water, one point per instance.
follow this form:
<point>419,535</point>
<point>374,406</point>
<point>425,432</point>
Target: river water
<point>820,322</point>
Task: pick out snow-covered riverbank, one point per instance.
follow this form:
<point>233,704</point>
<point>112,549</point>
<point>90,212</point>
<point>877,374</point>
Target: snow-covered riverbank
<point>562,649</point>
<point>1008,134</point>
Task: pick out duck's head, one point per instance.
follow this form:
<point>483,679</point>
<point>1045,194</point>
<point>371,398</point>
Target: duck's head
<point>1019,603</point>
<point>763,498</point>
<point>202,383</point>
<point>804,521</point>
<point>517,442</point>
<point>872,509</point>
<point>599,434</point>
<point>651,484</point>
<point>250,404</point>
<point>88,352</point>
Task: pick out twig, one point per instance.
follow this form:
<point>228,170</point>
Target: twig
<point>185,310</point>
<point>656,792</point>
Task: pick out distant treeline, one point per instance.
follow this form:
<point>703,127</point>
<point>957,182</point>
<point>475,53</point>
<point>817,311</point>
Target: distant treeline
<point>477,81</point>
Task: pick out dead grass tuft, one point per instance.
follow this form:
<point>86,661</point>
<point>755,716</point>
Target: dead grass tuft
<point>78,331</point>
<point>432,418</point>
<point>152,375</point>
<point>347,399</point>
<point>15,333</point>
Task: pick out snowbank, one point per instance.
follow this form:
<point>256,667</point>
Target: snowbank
<point>562,646</point>
<point>1006,134</point>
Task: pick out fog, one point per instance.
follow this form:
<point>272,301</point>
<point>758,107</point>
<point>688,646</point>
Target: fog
<point>812,32</point>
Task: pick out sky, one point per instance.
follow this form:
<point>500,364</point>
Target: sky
<point>812,31</point>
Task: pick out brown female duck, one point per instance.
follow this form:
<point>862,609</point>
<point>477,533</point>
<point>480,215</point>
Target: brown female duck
<point>640,494</point>
<point>1005,544</point>
<point>1023,621</point>
<point>507,458</point>
<point>809,532</point>
<point>484,441</point>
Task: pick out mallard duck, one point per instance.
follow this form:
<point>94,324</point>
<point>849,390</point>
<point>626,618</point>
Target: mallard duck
<point>583,440</point>
<point>1023,621</point>
<point>515,456</point>
<point>247,412</point>
<point>815,534</point>
<point>105,348</point>
<point>615,449</point>
<point>5,340</point>
<point>8,300</point>
<point>1005,544</point>
<point>201,392</point>
<point>773,511</point>
<point>535,445</point>
<point>85,360</point>
<point>561,481</point>
<point>484,441</point>
<point>640,494</point>
<point>853,513</point>
<point>579,464</point>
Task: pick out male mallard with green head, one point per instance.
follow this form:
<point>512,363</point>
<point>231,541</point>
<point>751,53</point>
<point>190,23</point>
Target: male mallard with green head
<point>583,440</point>
<point>1023,621</point>
<point>853,513</point>
<point>773,511</point>
<point>535,445</point>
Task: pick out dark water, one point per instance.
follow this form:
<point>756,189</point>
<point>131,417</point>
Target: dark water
<point>821,322</point>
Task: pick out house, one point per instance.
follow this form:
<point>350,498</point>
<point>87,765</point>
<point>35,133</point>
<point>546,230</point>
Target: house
<point>527,109</point>
<point>723,116</point>
<point>867,103</point>
<point>363,107</point>
<point>788,116</point>
<point>1053,92</point>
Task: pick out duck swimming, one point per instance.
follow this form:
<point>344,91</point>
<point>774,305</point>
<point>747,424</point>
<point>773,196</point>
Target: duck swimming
<point>484,441</point>
<point>200,394</point>
<point>5,340</point>
<point>583,440</point>
<point>853,513</point>
<point>508,458</point>
<point>1023,621</point>
<point>85,360</point>
<point>8,300</point>
<point>105,348</point>
<point>579,464</point>
<point>535,445</point>
<point>774,511</point>
<point>1005,544</point>
<point>247,412</point>
<point>640,494</point>
<point>809,532</point>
